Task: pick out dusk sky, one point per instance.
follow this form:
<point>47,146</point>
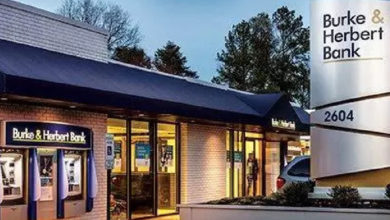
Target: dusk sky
<point>198,26</point>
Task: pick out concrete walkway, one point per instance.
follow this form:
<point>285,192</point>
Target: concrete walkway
<point>173,217</point>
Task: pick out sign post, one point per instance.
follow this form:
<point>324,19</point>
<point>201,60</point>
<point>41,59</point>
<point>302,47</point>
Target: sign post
<point>350,89</point>
<point>109,151</point>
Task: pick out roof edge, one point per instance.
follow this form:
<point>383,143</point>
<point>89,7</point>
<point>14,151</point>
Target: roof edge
<point>53,16</point>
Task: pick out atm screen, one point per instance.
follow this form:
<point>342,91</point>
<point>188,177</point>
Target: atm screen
<point>74,171</point>
<point>12,163</point>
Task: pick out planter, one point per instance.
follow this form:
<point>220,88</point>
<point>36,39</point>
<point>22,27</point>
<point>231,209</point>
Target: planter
<point>239,212</point>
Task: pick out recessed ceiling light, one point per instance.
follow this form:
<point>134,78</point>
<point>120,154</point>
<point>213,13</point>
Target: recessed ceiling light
<point>192,121</point>
<point>141,115</point>
<point>3,98</point>
<point>72,106</point>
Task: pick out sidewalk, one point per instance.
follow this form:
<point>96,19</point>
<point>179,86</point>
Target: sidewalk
<point>173,217</point>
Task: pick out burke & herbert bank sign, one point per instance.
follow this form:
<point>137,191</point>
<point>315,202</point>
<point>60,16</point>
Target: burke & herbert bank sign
<point>22,133</point>
<point>350,63</point>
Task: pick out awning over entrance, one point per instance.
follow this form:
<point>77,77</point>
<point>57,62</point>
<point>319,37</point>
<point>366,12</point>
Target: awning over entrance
<point>34,72</point>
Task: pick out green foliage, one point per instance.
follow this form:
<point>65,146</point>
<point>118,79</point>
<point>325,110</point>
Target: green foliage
<point>296,194</point>
<point>344,196</point>
<point>255,200</point>
<point>388,191</point>
<point>132,55</point>
<point>268,54</point>
<point>169,59</point>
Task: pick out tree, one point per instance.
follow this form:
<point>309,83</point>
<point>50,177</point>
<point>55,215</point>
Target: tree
<point>169,59</point>
<point>133,55</point>
<point>267,54</point>
<point>121,30</point>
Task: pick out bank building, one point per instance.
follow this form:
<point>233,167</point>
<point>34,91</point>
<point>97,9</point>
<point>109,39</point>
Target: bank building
<point>86,137</point>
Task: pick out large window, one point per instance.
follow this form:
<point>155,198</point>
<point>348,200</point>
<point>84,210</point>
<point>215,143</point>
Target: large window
<point>228,164</point>
<point>167,169</point>
<point>142,172</point>
<point>118,177</point>
<point>272,167</point>
<point>244,164</point>
<point>238,164</point>
<point>144,178</point>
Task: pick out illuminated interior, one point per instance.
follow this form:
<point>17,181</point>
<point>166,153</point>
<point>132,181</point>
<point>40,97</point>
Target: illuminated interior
<point>118,177</point>
<point>153,150</point>
<point>142,175</point>
<point>166,155</point>
<point>73,167</point>
<point>228,165</point>
<point>251,161</point>
<point>238,168</point>
<point>298,148</point>
<point>11,162</point>
<point>272,167</point>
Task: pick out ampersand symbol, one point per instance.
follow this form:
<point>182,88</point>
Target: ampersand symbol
<point>376,18</point>
<point>38,135</point>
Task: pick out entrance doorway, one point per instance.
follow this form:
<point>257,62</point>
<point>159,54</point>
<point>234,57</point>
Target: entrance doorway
<point>144,181</point>
<point>253,167</point>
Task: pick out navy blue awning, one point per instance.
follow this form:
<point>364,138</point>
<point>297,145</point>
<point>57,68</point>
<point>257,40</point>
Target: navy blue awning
<point>34,72</point>
<point>304,116</point>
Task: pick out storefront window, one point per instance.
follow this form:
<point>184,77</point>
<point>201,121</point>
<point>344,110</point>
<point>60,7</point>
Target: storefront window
<point>12,174</point>
<point>166,155</point>
<point>228,165</point>
<point>118,177</point>
<point>142,174</point>
<point>297,148</point>
<point>238,166</point>
<point>272,167</point>
<point>253,166</point>
<point>147,169</point>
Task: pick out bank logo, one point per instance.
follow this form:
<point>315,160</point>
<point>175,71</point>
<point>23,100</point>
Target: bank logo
<point>343,36</point>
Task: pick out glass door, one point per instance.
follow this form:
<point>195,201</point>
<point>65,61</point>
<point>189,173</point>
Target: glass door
<point>142,172</point>
<point>253,174</point>
<point>238,164</point>
<point>144,179</point>
<point>166,172</point>
<point>272,167</point>
<point>118,178</point>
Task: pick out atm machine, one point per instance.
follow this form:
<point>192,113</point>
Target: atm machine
<point>47,171</point>
<point>75,168</point>
<point>13,165</point>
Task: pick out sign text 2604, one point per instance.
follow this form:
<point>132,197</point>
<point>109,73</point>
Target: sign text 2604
<point>341,115</point>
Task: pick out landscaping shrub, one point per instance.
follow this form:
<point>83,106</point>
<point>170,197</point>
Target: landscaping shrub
<point>224,201</point>
<point>311,184</point>
<point>296,194</point>
<point>344,196</point>
<point>388,191</point>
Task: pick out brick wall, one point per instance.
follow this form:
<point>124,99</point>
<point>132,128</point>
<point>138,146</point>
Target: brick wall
<point>203,163</point>
<point>32,26</point>
<point>92,120</point>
